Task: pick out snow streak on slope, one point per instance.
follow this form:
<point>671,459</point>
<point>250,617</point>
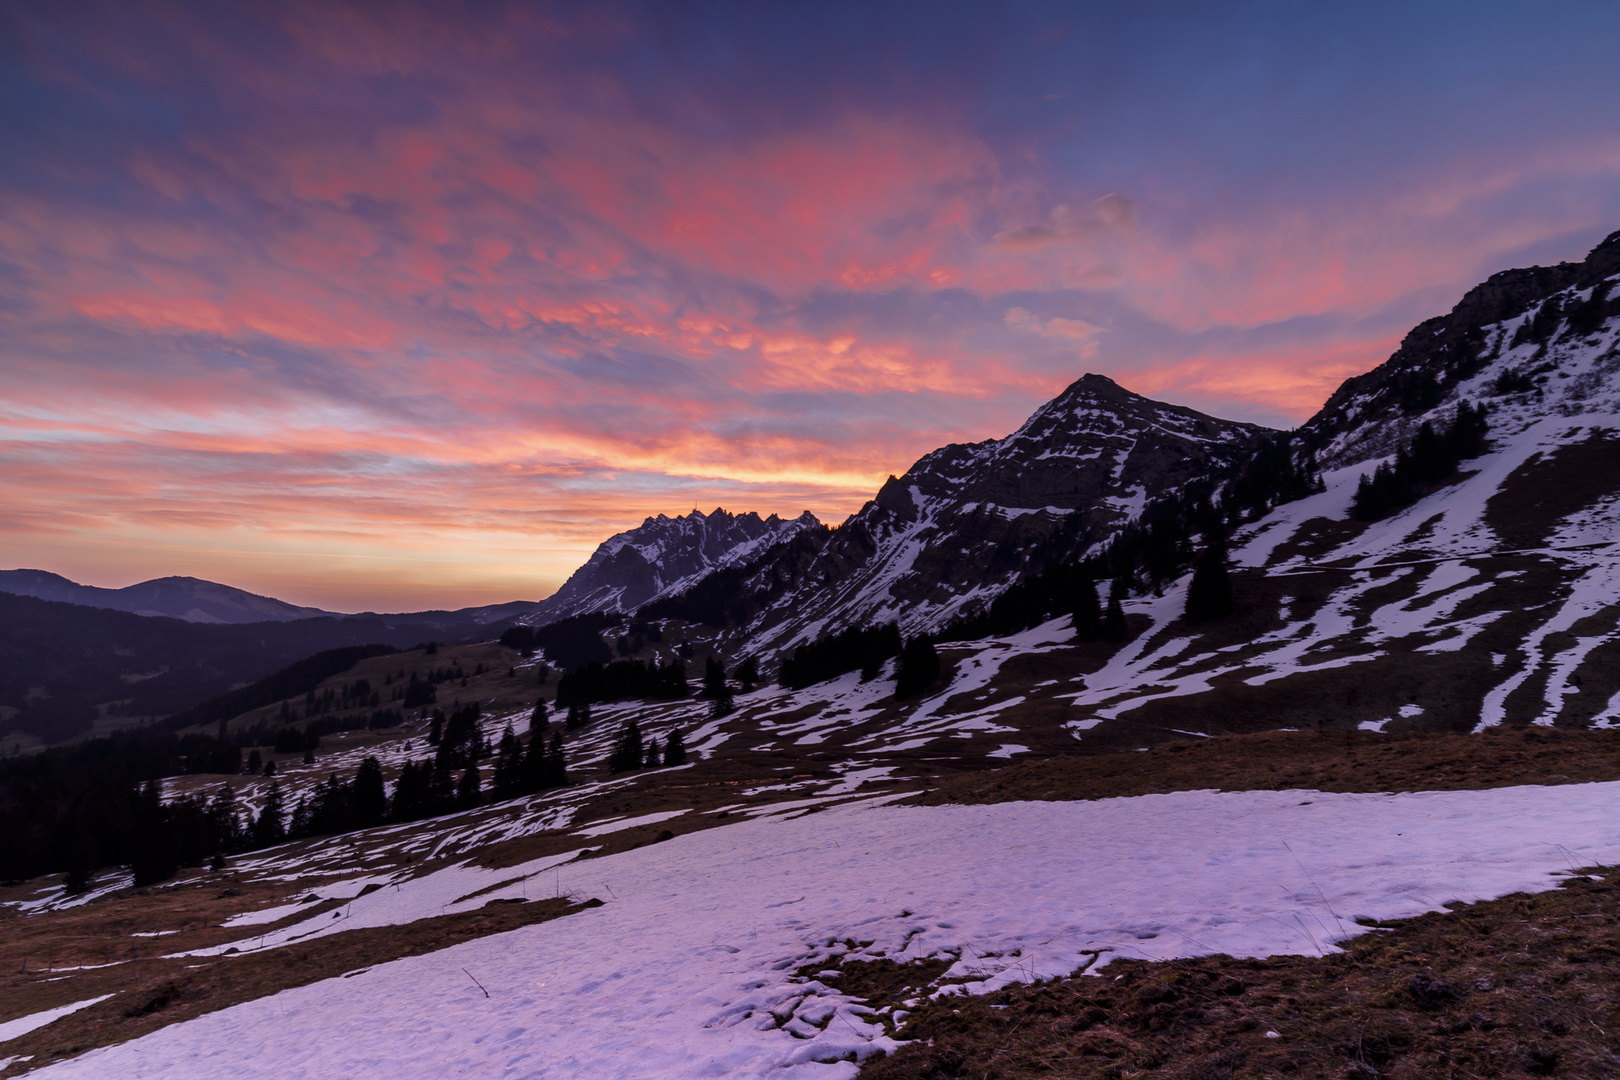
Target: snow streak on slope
<point>691,967</point>
<point>1519,559</point>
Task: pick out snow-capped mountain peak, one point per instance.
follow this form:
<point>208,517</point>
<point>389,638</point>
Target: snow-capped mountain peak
<point>663,556</point>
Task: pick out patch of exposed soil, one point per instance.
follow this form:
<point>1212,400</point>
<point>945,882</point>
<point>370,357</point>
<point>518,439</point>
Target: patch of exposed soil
<point>151,992</point>
<point>1283,760</point>
<point>1522,986</point>
<point>1541,493</point>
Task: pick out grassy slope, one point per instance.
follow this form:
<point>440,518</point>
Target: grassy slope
<point>1525,985</point>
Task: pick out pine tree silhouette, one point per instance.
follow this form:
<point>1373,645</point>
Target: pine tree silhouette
<point>675,748</point>
<point>918,668</point>
<point>1088,621</point>
<point>1114,618</point>
<point>370,797</point>
<point>1209,594</point>
<point>270,827</point>
<point>627,753</point>
<point>468,794</point>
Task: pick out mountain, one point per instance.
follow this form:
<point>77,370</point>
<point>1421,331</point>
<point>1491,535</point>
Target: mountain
<point>664,556</point>
<point>1441,359</point>
<point>188,598</point>
<point>1494,598</point>
<point>198,601</point>
<point>968,520</point>
<point>64,665</point>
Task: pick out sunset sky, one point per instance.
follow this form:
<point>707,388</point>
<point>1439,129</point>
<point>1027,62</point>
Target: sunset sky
<point>391,307</point>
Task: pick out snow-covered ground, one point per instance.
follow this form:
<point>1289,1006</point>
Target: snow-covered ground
<point>689,967</point>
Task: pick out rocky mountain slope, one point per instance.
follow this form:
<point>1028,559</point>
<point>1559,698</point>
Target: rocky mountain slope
<point>665,556</point>
<point>961,525</point>
<point>967,520</point>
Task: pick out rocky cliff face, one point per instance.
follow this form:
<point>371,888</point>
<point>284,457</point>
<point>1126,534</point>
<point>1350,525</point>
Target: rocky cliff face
<point>664,556</point>
<point>1441,359</point>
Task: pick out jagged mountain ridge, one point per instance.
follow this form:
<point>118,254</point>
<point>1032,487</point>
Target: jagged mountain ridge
<point>967,520</point>
<point>664,556</point>
<point>962,524</point>
<point>1493,600</point>
<point>1370,414</point>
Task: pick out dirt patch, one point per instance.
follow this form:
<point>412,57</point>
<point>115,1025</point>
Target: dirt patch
<point>1284,760</point>
<point>1520,986</point>
<point>151,993</point>
<point>1546,489</point>
<point>882,982</point>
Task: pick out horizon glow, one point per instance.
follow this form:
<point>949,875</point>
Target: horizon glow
<point>398,307</point>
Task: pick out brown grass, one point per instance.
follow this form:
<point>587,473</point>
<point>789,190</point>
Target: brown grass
<point>1281,760</point>
<point>1525,985</point>
<point>150,992</point>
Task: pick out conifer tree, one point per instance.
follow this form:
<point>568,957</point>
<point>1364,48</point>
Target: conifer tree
<point>299,825</point>
<point>370,796</point>
<point>509,764</point>
<point>579,714</point>
<point>441,788</point>
<point>627,753</point>
<point>270,827</point>
<point>654,756</point>
<point>1088,622</point>
<point>541,714</point>
<point>151,840</point>
<point>675,748</point>
<point>556,767</point>
<point>254,762</point>
<point>714,679</point>
<point>225,820</point>
<point>1209,594</point>
<point>748,674</point>
<point>468,794</point>
<point>1114,618</point>
<point>918,668</point>
<point>535,768</point>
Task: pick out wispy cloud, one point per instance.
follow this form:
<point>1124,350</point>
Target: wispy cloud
<point>364,302</point>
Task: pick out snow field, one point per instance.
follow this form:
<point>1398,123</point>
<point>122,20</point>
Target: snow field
<point>689,967</point>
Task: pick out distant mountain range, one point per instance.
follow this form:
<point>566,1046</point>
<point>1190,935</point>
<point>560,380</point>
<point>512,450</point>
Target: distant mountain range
<point>199,601</point>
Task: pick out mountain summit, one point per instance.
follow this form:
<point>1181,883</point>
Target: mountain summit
<point>967,520</point>
<point>188,598</point>
<point>665,556</point>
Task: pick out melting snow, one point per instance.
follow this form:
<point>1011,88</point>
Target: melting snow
<point>688,969</point>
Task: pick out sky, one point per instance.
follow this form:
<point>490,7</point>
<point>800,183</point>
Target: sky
<point>397,306</point>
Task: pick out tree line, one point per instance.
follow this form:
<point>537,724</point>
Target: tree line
<point>1429,460</point>
<point>75,810</point>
